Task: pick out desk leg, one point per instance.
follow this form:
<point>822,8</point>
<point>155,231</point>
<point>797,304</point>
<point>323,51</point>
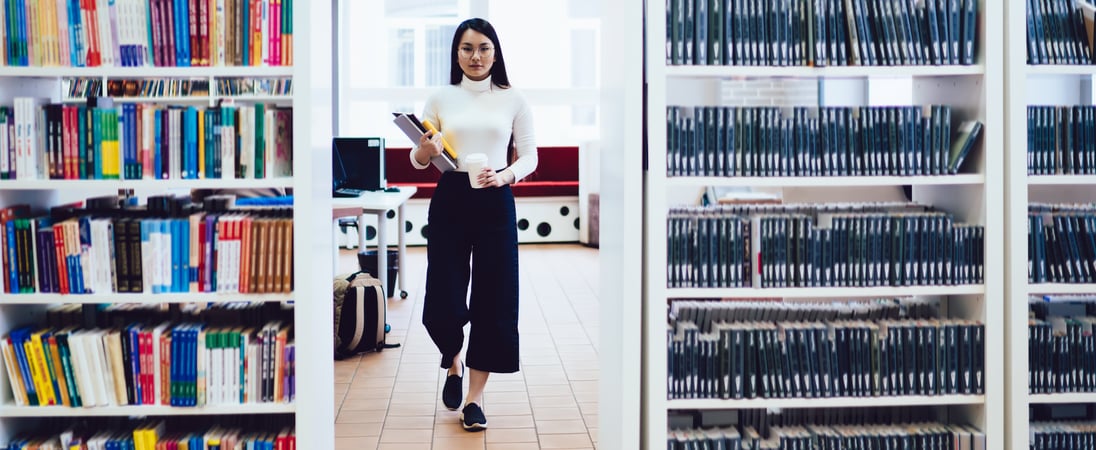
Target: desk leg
<point>382,250</point>
<point>335,234</point>
<point>401,233</point>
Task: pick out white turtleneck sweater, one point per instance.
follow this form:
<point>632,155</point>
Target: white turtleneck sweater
<point>478,117</point>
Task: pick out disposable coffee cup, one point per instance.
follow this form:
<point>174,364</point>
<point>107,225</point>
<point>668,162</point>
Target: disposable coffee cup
<point>475,163</point>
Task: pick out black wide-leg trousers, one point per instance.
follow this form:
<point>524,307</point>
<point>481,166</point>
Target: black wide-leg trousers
<point>479,224</point>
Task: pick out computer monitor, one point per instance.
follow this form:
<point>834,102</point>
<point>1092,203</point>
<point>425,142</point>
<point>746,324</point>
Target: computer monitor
<point>362,161</point>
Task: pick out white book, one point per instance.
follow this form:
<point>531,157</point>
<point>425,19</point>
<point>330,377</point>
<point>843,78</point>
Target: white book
<point>81,372</point>
<point>269,134</point>
<point>247,142</point>
<point>63,49</point>
<point>13,373</point>
<point>101,374</point>
<point>253,364</point>
<point>264,12</point>
<point>106,45</point>
<point>220,36</point>
<point>202,368</point>
<point>234,367</point>
<point>166,255</point>
<point>228,152</point>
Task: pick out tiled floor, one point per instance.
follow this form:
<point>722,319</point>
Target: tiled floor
<point>391,400</point>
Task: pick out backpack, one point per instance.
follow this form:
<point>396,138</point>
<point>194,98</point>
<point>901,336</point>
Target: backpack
<point>360,313</point>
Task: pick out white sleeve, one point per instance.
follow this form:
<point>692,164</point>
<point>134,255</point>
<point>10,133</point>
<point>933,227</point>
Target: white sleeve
<point>430,112</point>
<point>525,141</point>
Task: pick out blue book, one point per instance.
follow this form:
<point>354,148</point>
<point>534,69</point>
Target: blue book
<point>97,141</point>
<point>190,138</point>
<point>168,255</point>
<point>18,338</point>
<point>182,33</point>
<point>21,15</point>
<point>176,357</point>
<point>123,140</point>
<point>13,255</point>
<point>157,159</point>
<point>244,32</point>
<point>135,361</point>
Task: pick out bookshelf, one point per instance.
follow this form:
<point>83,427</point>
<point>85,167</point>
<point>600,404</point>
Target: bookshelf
<point>1028,85</point>
<point>973,196</point>
<point>311,412</point>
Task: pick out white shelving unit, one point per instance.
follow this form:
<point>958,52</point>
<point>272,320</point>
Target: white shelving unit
<point>974,93</point>
<point>1028,85</point>
<point>312,411</point>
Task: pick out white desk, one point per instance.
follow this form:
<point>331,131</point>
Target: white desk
<point>378,203</point>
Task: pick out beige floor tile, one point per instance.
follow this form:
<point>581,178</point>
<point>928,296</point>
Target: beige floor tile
<point>511,421</point>
<point>513,446</point>
<point>471,441</point>
<point>561,426</point>
<point>504,386</point>
<point>568,441</point>
<point>410,422</point>
<point>593,435</point>
<point>511,435</point>
<point>591,419</point>
<point>582,375</point>
<point>507,409</point>
<point>493,398</point>
<point>358,429</point>
<point>404,436</point>
<point>364,404</point>
<point>355,443</point>
<point>553,401</point>
<point>449,429</point>
<point>565,413</point>
<point>360,416</point>
<point>414,387</point>
<point>588,408</point>
<point>411,409</point>
<point>549,390</point>
<point>584,387</point>
<point>413,397</point>
<point>401,446</point>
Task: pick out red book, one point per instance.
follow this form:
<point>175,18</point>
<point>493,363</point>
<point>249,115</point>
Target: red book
<point>59,251</point>
<point>156,17</point>
<point>91,24</point>
<point>170,57</point>
<point>195,46</point>
<point>204,17</point>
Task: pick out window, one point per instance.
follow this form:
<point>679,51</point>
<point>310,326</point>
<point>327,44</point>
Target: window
<point>395,53</point>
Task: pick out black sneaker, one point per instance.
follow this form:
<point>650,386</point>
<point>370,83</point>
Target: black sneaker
<point>451,393</point>
<point>472,418</point>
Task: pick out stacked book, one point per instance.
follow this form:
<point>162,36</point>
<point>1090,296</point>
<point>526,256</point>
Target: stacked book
<point>1057,34</point>
<point>816,245</point>
<point>137,33</point>
<point>1062,435</point>
<point>181,363</point>
<point>156,436</point>
<point>916,436</point>
<point>734,353</point>
<point>821,32</point>
<point>842,141</point>
<point>143,141</point>
<point>1061,243</point>
<point>1061,140</point>
<point>155,250</point>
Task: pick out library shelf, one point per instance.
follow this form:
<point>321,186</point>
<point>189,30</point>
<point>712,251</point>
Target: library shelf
<point>1059,398</point>
<point>835,402</point>
<point>842,181</point>
<point>826,292</point>
<point>147,72</point>
<point>1051,180</point>
<point>11,411</point>
<point>184,297</point>
<point>822,72</point>
<point>205,183</point>
<point>1075,70</point>
<point>1061,288</point>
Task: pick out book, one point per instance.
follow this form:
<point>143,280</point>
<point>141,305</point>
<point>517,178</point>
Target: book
<point>414,129</point>
<point>969,132</point>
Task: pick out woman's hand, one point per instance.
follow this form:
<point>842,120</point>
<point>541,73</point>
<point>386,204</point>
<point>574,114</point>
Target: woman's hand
<point>429,147</point>
<point>489,178</point>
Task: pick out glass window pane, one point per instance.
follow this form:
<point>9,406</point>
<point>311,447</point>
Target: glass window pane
<point>420,8</point>
<point>439,42</point>
<point>585,9</point>
<point>402,70</point>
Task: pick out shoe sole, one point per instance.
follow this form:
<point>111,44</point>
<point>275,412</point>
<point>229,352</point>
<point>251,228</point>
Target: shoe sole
<point>473,427</point>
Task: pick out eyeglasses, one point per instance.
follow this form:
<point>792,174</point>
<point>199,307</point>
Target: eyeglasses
<point>469,52</point>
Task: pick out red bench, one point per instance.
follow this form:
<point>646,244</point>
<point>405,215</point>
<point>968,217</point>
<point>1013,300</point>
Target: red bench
<point>556,174</point>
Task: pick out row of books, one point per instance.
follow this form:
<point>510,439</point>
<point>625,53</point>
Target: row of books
<point>917,436</point>
<point>818,359</point>
<point>821,32</point>
<point>705,313</point>
<point>1062,435</point>
<point>135,33</point>
<point>155,436</point>
<point>708,247</point>
<point>143,141</point>
<point>82,88</point>
<point>1061,354</point>
<point>1061,140</point>
<point>1061,243</point>
<point>254,86</point>
<point>832,141</point>
<point>87,251</point>
<point>1056,33</point>
<point>176,364</point>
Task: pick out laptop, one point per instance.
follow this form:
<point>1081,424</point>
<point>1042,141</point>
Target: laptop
<point>357,166</point>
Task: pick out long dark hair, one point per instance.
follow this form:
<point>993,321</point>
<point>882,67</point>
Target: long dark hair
<point>498,69</point>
